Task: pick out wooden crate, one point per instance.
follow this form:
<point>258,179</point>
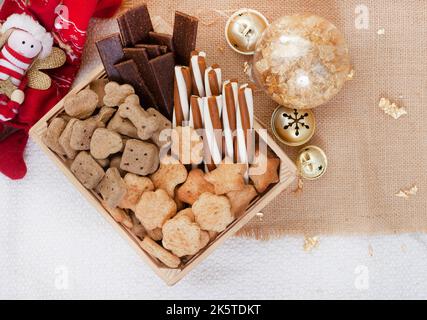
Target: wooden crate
<point>170,276</point>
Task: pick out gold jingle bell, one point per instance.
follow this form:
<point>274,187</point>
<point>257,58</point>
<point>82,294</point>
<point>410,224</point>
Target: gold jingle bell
<point>243,29</point>
<point>312,163</point>
<point>293,127</point>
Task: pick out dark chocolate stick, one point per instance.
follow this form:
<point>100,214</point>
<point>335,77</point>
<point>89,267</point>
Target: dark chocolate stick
<point>163,49</point>
<point>184,37</point>
<point>124,32</point>
<point>140,56</point>
<point>196,112</point>
<point>111,52</point>
<point>130,74</point>
<point>153,50</point>
<point>162,39</point>
<point>135,25</point>
<point>164,69</point>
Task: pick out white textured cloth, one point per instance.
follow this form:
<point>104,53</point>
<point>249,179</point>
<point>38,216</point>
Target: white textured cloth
<point>53,244</point>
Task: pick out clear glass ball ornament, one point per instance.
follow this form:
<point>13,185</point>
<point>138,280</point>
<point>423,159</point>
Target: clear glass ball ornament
<point>301,61</point>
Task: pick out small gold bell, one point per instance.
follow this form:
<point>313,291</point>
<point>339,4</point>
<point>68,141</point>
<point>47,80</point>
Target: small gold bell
<point>312,163</point>
<point>243,29</point>
<point>293,127</point>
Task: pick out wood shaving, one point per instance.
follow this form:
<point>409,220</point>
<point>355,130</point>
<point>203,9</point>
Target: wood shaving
<point>407,193</point>
<point>205,21</point>
<point>247,70</point>
<point>208,23</point>
<point>226,13</point>
<point>311,243</point>
<point>370,251</point>
<point>299,187</point>
<point>350,76</point>
<point>204,16</point>
<point>391,109</point>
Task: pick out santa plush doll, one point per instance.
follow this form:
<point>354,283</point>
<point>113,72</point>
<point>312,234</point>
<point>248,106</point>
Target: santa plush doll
<point>30,30</point>
<point>26,41</point>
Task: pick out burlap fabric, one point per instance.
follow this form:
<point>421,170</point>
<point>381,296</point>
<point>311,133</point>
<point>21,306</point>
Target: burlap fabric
<point>371,155</point>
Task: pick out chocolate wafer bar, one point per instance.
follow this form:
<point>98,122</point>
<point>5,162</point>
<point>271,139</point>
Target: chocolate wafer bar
<point>161,39</point>
<point>229,102</point>
<point>148,74</point>
<point>182,92</point>
<point>111,52</point>
<point>141,58</point>
<point>135,25</point>
<point>163,68</point>
<point>196,112</point>
<point>213,130</point>
<point>213,80</point>
<point>245,123</point>
<point>130,74</point>
<point>153,50</point>
<point>163,49</point>
<point>198,68</point>
<point>184,37</point>
<point>246,107</point>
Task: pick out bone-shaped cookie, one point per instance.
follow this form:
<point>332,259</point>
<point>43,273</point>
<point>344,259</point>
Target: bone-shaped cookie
<point>145,123</point>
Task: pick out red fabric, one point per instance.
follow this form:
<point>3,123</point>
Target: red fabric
<point>9,109</point>
<point>11,73</point>
<point>68,21</point>
<point>11,160</point>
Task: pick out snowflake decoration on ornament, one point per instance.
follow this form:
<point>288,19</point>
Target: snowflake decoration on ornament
<point>295,120</point>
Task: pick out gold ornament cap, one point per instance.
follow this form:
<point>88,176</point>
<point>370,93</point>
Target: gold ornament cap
<point>243,29</point>
<point>293,127</point>
<point>312,163</point>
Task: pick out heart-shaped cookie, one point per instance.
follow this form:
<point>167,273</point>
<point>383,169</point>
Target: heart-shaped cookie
<point>104,143</point>
<point>82,104</point>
